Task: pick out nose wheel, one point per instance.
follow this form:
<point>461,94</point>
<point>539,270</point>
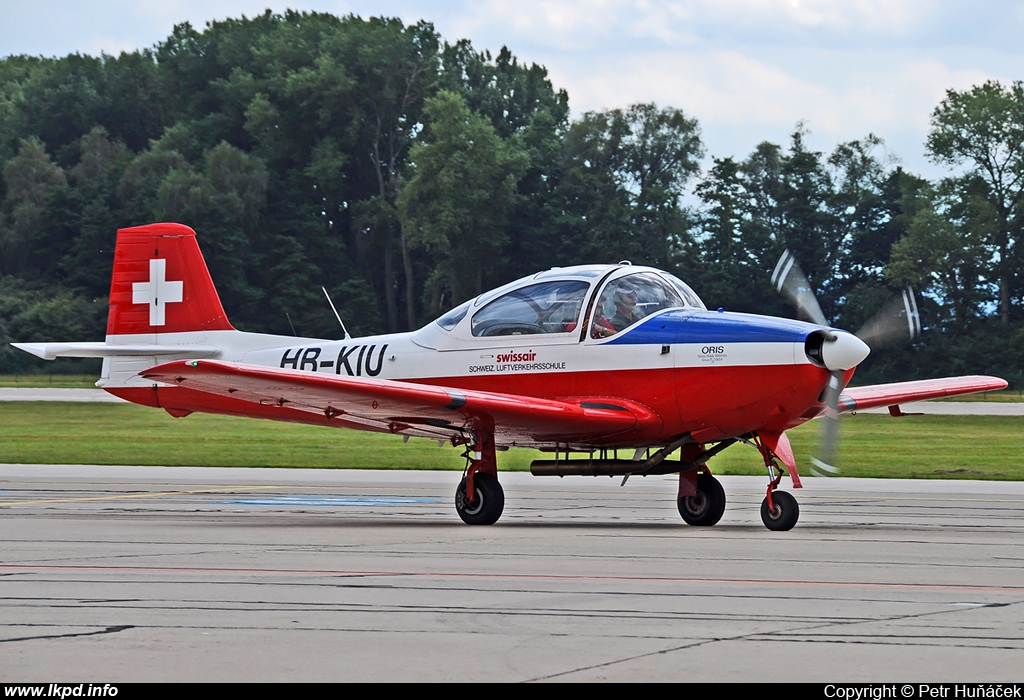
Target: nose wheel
<point>779,510</point>
<point>781,513</point>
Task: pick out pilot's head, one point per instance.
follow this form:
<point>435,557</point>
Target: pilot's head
<point>625,296</point>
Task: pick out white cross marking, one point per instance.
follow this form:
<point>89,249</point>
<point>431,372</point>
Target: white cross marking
<point>157,292</point>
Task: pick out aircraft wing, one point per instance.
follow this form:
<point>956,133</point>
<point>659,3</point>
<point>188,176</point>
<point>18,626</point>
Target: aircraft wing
<point>859,398</point>
<point>410,408</point>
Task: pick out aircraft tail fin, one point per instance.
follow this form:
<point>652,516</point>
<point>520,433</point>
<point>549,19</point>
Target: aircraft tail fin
<point>161,284</point>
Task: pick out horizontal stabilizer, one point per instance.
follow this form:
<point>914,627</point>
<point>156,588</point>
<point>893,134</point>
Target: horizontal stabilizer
<point>51,351</point>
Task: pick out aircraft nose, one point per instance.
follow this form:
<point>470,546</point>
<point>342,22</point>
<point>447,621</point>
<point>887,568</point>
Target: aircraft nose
<point>842,351</point>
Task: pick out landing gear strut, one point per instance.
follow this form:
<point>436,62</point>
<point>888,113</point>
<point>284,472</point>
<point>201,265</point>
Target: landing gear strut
<point>779,510</point>
<point>479,499</point>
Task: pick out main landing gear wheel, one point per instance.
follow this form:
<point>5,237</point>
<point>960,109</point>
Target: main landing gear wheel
<point>787,512</point>
<point>487,504</point>
<point>705,508</point>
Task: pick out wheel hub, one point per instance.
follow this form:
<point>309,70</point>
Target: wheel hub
<point>472,507</point>
<point>696,505</point>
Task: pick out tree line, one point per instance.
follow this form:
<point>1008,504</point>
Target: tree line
<point>405,174</point>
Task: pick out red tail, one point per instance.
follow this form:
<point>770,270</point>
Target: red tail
<point>161,284</point>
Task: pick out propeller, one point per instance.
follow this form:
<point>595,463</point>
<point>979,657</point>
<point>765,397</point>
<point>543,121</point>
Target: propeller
<point>839,351</point>
<point>896,322</point>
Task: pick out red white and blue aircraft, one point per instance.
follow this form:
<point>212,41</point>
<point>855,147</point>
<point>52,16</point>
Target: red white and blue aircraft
<point>583,362</point>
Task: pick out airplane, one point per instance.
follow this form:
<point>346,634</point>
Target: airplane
<point>581,362</point>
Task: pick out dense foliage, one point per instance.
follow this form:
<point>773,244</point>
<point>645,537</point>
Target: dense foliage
<point>405,174</point>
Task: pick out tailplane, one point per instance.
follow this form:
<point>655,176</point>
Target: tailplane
<point>163,306</point>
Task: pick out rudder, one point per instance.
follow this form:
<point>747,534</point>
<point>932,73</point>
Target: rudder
<point>161,284</point>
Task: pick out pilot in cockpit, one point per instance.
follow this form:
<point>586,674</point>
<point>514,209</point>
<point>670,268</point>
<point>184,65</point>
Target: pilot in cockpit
<point>626,312</point>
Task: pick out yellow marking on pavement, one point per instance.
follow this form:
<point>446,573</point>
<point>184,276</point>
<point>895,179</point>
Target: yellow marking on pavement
<point>157,494</point>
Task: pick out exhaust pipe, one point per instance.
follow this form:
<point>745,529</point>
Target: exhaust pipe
<point>585,467</point>
<point>624,467</point>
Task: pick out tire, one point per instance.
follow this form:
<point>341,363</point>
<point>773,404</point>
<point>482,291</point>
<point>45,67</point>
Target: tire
<point>706,508</point>
<point>787,512</point>
<point>489,501</point>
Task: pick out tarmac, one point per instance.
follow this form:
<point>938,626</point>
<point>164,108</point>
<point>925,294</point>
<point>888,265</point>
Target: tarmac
<point>118,574</point>
<point>141,574</point>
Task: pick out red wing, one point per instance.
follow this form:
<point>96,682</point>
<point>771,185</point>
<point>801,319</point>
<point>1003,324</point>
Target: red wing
<point>409,408</point>
<point>862,397</point>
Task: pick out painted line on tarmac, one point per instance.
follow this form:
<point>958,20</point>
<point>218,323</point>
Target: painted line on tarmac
<point>158,494</point>
<point>529,577</point>
<point>313,487</point>
<point>328,501</point>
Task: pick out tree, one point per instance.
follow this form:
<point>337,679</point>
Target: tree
<point>983,130</point>
<point>594,206</point>
<point>661,153</point>
<point>395,68</point>
<point>624,175</point>
<point>943,252</point>
<point>520,101</point>
<point>28,178</point>
<point>727,269</point>
<point>457,201</point>
<point>344,104</point>
<point>224,201</point>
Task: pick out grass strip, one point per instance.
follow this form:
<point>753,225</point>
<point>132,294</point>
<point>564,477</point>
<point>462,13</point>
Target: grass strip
<point>964,447</point>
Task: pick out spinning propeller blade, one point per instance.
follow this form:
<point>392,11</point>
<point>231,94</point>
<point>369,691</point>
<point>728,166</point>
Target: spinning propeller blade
<point>790,281</point>
<point>897,321</point>
<point>824,463</point>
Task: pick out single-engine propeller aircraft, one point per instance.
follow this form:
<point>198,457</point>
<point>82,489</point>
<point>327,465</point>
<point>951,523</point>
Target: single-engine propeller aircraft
<point>582,362</point>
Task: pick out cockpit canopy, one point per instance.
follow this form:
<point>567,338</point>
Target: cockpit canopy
<point>613,297</point>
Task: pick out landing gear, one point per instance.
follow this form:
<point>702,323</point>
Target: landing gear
<point>782,513</point>
<point>705,508</point>
<point>479,499</point>
<point>487,504</point>
<point>779,510</point>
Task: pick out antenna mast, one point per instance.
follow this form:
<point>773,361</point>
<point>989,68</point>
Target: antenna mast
<point>336,315</point>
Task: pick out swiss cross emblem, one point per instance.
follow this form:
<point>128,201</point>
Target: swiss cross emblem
<point>157,292</point>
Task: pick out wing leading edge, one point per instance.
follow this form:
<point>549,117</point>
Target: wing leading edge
<point>410,408</point>
<point>859,398</point>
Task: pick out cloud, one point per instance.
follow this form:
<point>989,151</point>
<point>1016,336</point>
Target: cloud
<point>575,25</point>
<point>748,69</point>
<point>741,99</point>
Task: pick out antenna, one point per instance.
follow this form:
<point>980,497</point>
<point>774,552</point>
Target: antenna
<point>347,336</point>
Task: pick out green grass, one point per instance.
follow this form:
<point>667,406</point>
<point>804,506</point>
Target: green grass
<point>913,447</point>
<point>967,447</point>
<point>47,432</point>
<point>1004,396</point>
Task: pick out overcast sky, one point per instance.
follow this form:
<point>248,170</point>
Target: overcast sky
<point>748,70</point>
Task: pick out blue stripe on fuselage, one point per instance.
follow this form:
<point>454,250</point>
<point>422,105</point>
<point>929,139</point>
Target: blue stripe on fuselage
<point>688,326</point>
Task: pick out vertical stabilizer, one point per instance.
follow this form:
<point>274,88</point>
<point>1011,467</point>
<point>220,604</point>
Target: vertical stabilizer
<point>161,284</point>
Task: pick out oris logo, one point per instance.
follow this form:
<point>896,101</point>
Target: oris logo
<point>712,350</point>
